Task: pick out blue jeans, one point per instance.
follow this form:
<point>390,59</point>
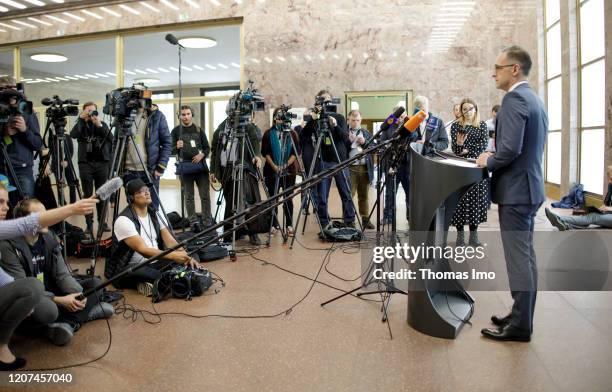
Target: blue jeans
<point>343,183</point>
<point>154,188</point>
<point>402,177</point>
<point>584,221</point>
<point>25,176</point>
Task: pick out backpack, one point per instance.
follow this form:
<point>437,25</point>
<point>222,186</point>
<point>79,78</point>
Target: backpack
<point>337,231</point>
<point>181,282</point>
<point>574,199</point>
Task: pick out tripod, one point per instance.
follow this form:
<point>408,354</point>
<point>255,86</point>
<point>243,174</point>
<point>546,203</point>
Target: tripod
<point>124,138</point>
<point>322,132</point>
<point>59,153</point>
<point>11,170</point>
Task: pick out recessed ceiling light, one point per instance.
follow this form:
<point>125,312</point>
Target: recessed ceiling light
<point>15,4</point>
<point>197,42</point>
<point>42,22</point>
<point>149,6</point>
<point>55,18</point>
<point>146,80</point>
<point>49,57</point>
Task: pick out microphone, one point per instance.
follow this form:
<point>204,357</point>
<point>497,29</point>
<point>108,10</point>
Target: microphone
<point>108,188</point>
<point>172,40</point>
<point>412,124</point>
<point>392,119</point>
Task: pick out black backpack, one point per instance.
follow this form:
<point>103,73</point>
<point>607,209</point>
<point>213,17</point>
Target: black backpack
<point>181,282</point>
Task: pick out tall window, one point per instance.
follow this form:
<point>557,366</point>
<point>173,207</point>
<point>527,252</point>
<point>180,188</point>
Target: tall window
<point>592,94</point>
<point>553,91</point>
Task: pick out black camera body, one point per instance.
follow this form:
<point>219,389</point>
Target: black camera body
<point>123,101</point>
<point>283,114</point>
<point>13,103</point>
<point>323,107</point>
<point>58,108</point>
<point>242,105</point>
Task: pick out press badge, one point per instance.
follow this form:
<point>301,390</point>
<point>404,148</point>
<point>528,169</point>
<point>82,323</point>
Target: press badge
<point>193,143</point>
<point>328,141</point>
<point>41,276</point>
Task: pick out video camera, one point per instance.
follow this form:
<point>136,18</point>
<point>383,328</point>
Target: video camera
<point>246,102</point>
<point>13,103</point>
<point>283,114</point>
<point>59,109</point>
<point>122,101</point>
<point>323,107</point>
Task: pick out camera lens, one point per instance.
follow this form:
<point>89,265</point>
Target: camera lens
<point>93,113</point>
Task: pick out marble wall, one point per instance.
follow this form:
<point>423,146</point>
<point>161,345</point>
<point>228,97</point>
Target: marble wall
<point>350,45</point>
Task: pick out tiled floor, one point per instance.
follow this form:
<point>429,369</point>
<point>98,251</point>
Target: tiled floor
<point>343,346</point>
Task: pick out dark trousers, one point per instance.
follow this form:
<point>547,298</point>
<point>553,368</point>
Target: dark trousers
<point>148,274</point>
<point>392,183</point>
<point>25,176</point>
<point>17,300</point>
<point>93,176</point>
<point>76,319</point>
<point>343,183</point>
<point>250,194</point>
<point>516,224</point>
<point>154,187</point>
<point>203,183</point>
<point>284,182</point>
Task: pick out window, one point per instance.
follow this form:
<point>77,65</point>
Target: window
<point>553,91</point>
<point>6,63</point>
<point>592,95</point>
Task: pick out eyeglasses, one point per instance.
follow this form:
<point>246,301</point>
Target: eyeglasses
<point>499,67</point>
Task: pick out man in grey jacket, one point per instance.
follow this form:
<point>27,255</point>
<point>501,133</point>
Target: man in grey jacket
<point>60,312</point>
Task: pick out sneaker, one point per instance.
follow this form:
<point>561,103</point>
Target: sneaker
<point>100,311</point>
<point>145,288</point>
<point>555,220</point>
<point>59,334</point>
<point>290,230</point>
<point>350,224</point>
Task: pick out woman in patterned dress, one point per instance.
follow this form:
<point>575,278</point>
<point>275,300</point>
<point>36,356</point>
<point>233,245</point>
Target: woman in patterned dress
<point>469,138</point>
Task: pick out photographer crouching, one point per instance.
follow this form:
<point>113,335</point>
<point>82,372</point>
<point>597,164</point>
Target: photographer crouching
<point>95,144</point>
<point>20,135</point>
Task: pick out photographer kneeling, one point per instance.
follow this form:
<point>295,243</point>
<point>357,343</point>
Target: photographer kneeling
<point>59,313</point>
<point>141,233</point>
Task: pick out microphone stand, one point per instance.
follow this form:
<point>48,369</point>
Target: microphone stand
<point>179,154</point>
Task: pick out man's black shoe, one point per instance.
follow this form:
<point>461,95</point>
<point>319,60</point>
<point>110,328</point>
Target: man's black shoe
<point>500,321</point>
<point>507,333</point>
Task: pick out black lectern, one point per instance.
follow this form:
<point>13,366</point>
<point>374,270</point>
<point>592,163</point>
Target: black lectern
<point>437,307</point>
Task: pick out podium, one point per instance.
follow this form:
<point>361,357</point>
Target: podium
<point>437,307</point>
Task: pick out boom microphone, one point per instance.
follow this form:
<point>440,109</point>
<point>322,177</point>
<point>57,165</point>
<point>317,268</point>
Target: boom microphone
<point>108,188</point>
<point>173,40</point>
<point>412,124</point>
<point>392,119</point>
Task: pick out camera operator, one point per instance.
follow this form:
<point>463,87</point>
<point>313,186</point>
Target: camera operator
<point>22,138</point>
<point>95,144</point>
<point>339,138</point>
<point>223,155</point>
<point>192,142</point>
<point>154,144</point>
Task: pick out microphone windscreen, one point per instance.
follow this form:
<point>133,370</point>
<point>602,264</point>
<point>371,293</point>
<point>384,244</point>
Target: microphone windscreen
<point>172,39</point>
<point>413,123</point>
<point>109,187</point>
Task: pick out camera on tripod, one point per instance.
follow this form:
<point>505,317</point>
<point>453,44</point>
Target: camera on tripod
<point>283,114</point>
<point>244,103</point>
<point>59,109</point>
<point>322,107</point>
<point>13,103</point>
<point>123,101</point>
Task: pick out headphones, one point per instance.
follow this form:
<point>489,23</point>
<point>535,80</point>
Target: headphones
<point>185,107</point>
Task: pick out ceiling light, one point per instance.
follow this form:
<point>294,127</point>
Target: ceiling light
<point>268,59</point>
<point>151,70</point>
<point>336,56</point>
<point>111,12</point>
<point>55,18</point>
<point>255,61</point>
<point>10,26</point>
<point>214,2</point>
<point>149,6</point>
<point>62,79</point>
<point>186,68</point>
<point>365,55</point>
<point>198,67</point>
<point>35,2</point>
<point>58,1</point>
<point>140,71</point>
<point>321,56</point>
<point>224,66</point>
<point>42,22</point>
<point>238,66</point>
<point>173,69</point>
<point>111,74</point>
<point>349,55</point>
<point>14,4</point>
<point>73,16</point>
<point>81,77</point>
<point>192,3</point>
<point>101,75</point>
<point>52,80</point>
<point>281,58</point>
<point>129,9</point>
<point>211,67</point>
<point>91,76</point>
<point>49,57</point>
<point>129,72</point>
<point>92,14</point>
<point>24,24</point>
<point>197,42</point>
<point>3,9</point>
<point>146,80</point>
<point>71,77</point>
<point>163,69</point>
<point>169,4</point>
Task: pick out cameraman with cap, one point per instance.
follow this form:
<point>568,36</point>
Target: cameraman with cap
<point>21,135</point>
<point>95,144</point>
<point>338,137</point>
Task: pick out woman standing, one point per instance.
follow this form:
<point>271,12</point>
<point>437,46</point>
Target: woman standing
<point>469,139</point>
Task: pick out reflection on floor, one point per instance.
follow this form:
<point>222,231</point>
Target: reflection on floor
<point>343,346</point>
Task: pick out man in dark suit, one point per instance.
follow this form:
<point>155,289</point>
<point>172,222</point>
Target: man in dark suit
<point>517,187</point>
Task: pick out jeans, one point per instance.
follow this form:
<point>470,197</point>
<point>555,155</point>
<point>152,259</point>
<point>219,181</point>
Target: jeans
<point>203,183</point>
<point>584,221</point>
<point>93,174</point>
<point>17,300</point>
<point>343,183</point>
